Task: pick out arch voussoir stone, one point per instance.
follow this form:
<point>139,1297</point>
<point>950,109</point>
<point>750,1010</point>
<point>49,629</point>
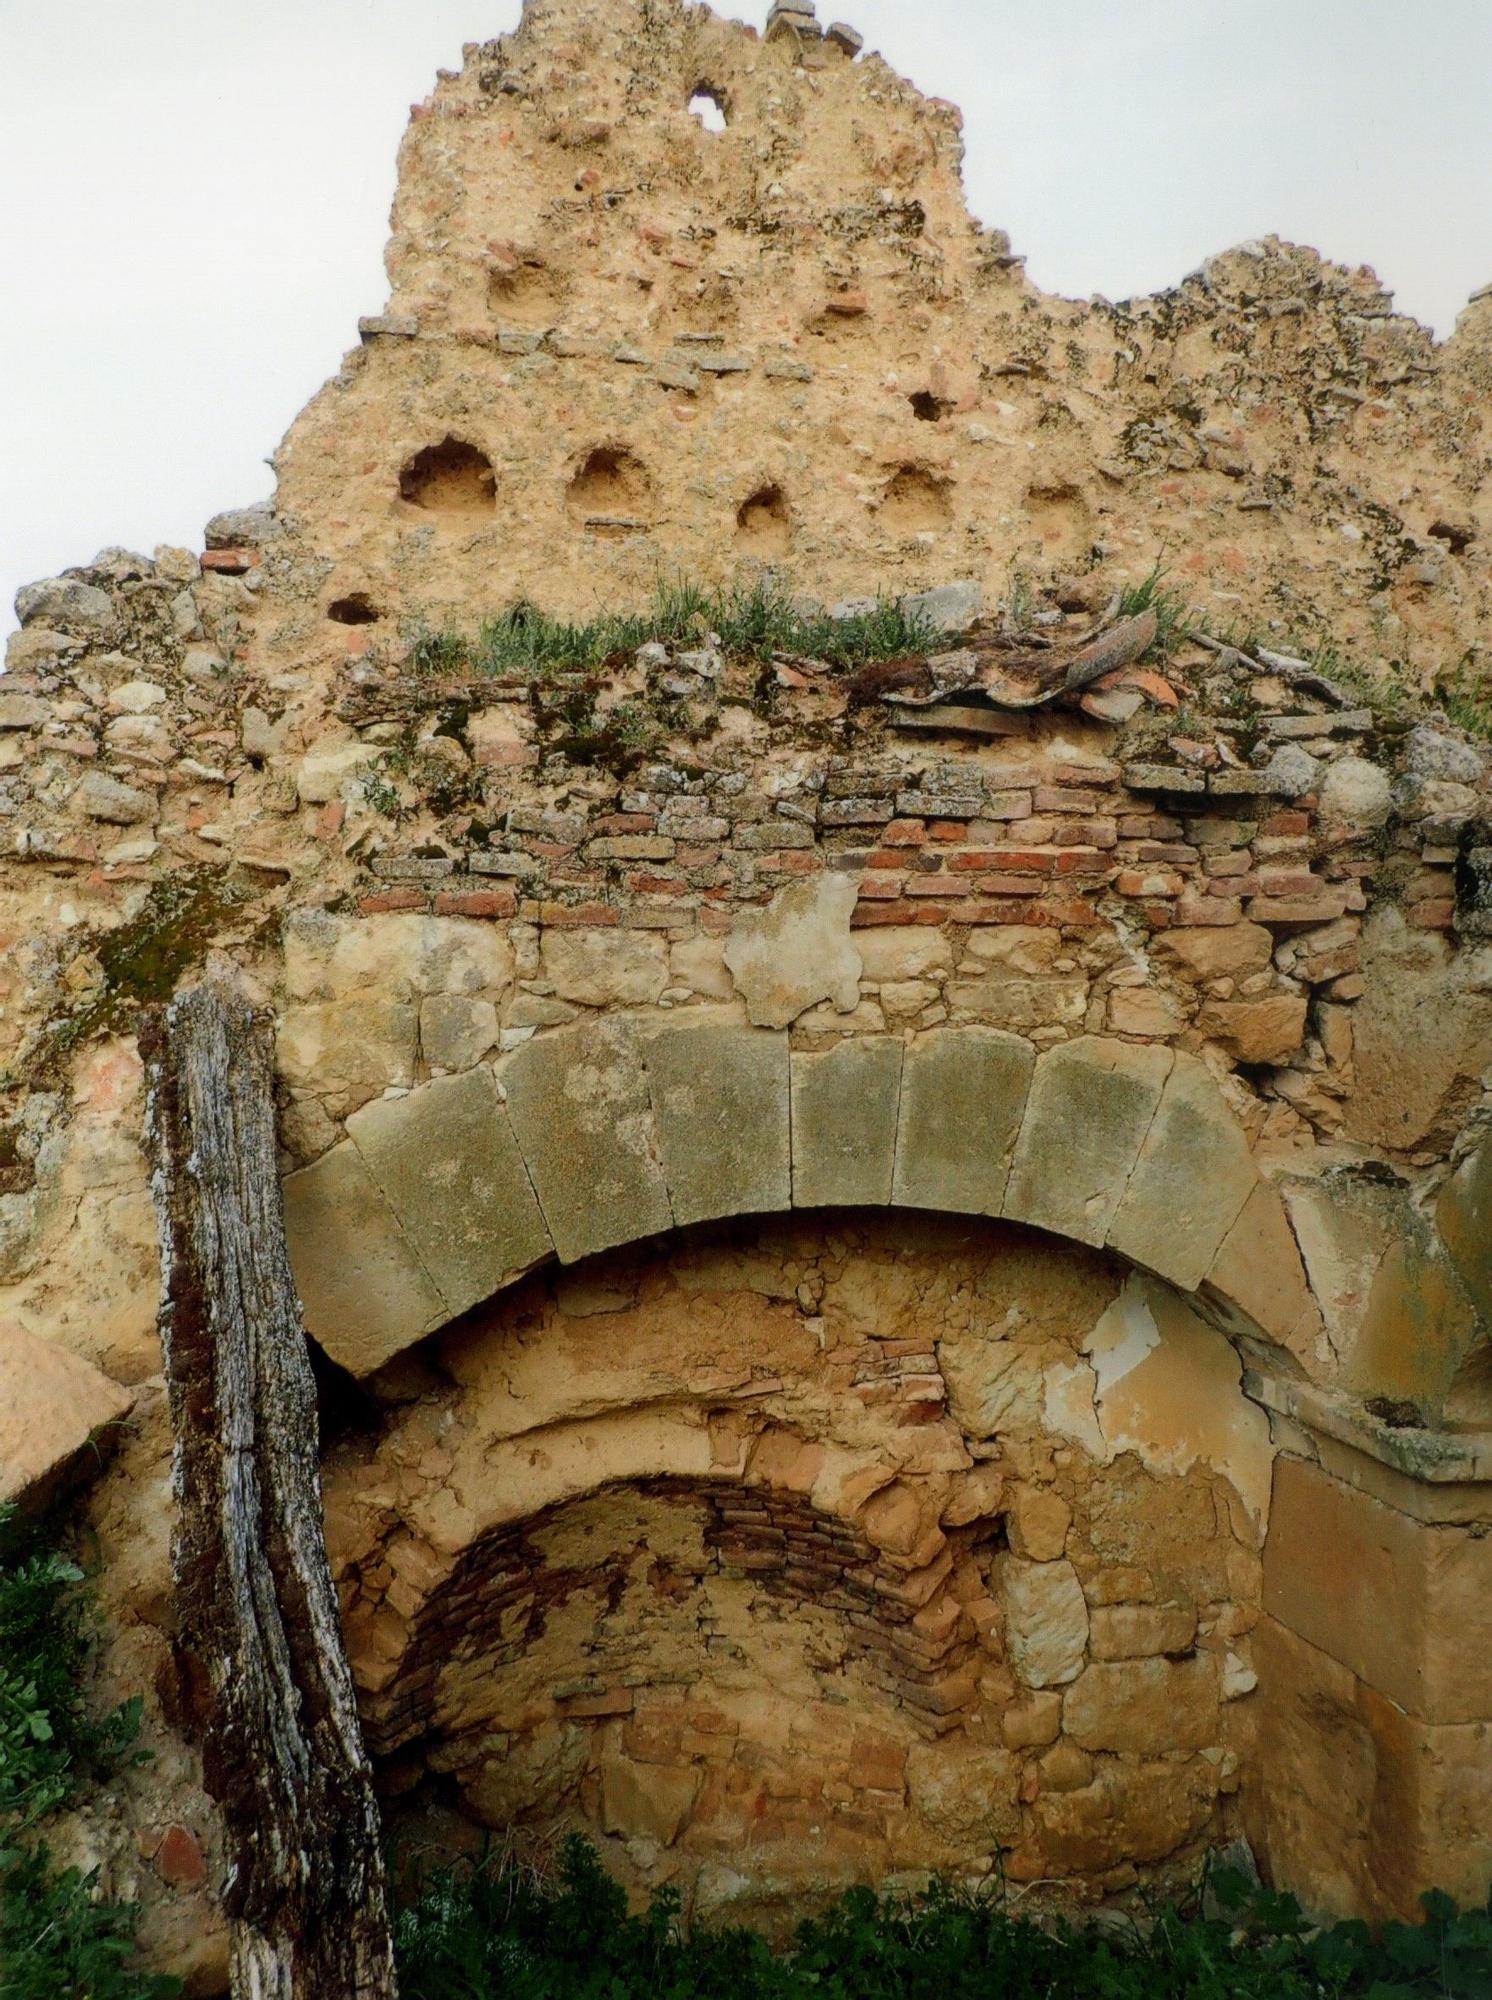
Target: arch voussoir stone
<point>613,1130</point>
<point>721,1116</point>
<point>845,1104</point>
<point>447,1163</point>
<point>583,1116</point>
<point>963,1096</point>
<point>364,1292</point>
<point>1091,1105</point>
<point>1191,1178</point>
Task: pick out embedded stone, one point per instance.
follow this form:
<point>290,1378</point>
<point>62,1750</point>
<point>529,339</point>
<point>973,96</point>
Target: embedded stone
<point>797,952</point>
<point>605,968</point>
<point>1144,1707</point>
<point>68,602</point>
<point>1204,954</point>
<point>964,1791</point>
<point>105,798</point>
<point>720,1112</point>
<point>446,1161</point>
<point>327,768</point>
<point>1037,1523</point>
<point>1136,1631</point>
<point>365,1293</point>
<point>1193,1175</point>
<point>1355,795</point>
<point>1092,1102</point>
<point>844,1109</point>
<point>346,1051</point>
<point>1046,1620</point>
<point>647,1801</point>
<point>583,1117</point>
<point>456,1031</point>
<point>53,1405</point>
<point>963,1092</point>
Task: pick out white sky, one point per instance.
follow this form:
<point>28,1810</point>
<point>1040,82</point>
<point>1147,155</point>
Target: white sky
<point>194,196</point>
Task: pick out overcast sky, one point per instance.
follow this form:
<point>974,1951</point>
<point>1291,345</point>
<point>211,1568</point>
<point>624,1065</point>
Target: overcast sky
<point>194,197</point>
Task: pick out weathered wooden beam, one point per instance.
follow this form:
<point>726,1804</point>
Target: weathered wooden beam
<point>283,1752</point>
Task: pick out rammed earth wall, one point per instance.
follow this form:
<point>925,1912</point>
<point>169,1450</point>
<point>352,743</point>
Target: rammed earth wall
<point>900,1248</point>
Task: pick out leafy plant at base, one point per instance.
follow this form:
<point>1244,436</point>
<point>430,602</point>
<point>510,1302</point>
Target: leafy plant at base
<point>59,1939</point>
<point>500,1932</point>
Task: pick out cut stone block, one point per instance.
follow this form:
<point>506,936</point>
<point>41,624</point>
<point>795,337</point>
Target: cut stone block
<point>53,1404</point>
<point>1192,1177</point>
<point>365,1293</point>
<point>963,1092</point>
<point>581,1113</point>
<point>1405,1604</point>
<point>720,1109</point>
<point>844,1123</point>
<point>1092,1102</point>
<point>446,1161</point>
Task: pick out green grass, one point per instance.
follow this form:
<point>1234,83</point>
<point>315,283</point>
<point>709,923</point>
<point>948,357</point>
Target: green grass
<point>751,621</point>
<point>1173,615</point>
<point>503,1933</point>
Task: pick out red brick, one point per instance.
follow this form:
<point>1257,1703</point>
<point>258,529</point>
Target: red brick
<point>1009,885</point>
<point>947,830</point>
<point>789,861</point>
<point>656,885</point>
<point>476,903</point>
<point>179,1859</point>
<point>1212,911</point>
<point>1148,882</point>
<point>384,900</point>
<point>877,887</point>
<point>935,885</point>
<point>621,823</point>
<point>1287,823</point>
<point>889,857</point>
<point>904,833</point>
<point>866,913</point>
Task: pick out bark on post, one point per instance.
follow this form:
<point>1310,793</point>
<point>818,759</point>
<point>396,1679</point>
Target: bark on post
<point>283,1749</point>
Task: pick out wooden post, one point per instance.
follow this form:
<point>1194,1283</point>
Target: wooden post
<point>283,1750</point>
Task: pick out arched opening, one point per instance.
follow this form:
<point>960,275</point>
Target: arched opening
<point>357,608</point>
<point>710,107</point>
<point>789,1545</point>
<point>612,490</point>
<point>763,524</point>
<point>917,501</point>
<point>452,477</point>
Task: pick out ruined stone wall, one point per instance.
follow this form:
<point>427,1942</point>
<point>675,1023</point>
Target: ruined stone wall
<point>1103,1066</point>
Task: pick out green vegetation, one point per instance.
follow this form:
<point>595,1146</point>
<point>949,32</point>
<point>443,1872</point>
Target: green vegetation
<point>58,1936</point>
<point>481,1932</point>
<point>751,621</point>
<point>1173,614</point>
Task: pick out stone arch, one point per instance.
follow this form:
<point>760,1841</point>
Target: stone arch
<point>620,1128</point>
